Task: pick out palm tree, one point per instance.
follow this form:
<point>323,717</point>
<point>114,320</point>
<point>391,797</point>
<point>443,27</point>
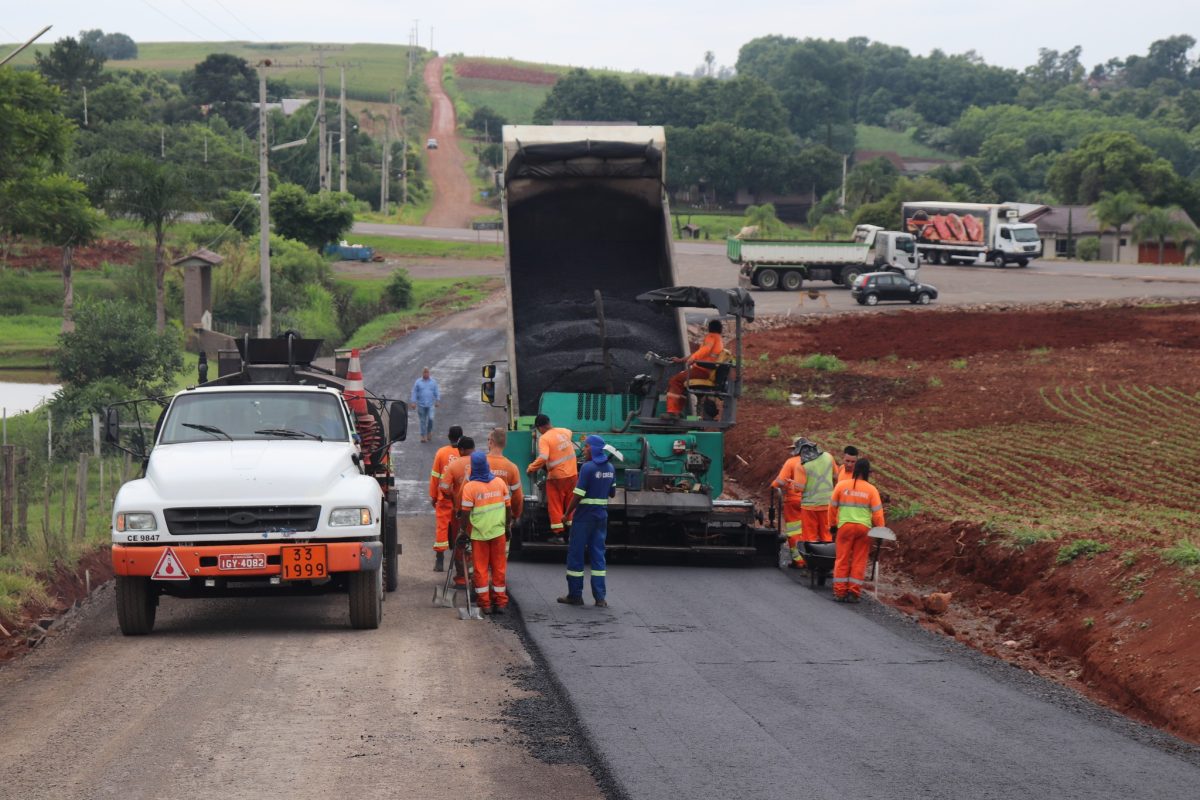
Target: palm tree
<point>1113,210</point>
<point>764,218</point>
<point>1160,224</point>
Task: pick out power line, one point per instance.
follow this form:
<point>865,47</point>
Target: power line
<point>253,32</point>
<point>209,21</point>
<point>172,20</point>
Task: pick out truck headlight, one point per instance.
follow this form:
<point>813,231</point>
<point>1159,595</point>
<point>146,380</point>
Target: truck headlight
<point>136,521</point>
<point>349,516</point>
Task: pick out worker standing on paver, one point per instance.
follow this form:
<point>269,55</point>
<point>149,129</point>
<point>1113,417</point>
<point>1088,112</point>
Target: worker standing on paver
<point>502,467</point>
<point>589,527</point>
<point>426,396</point>
<point>790,505</point>
<point>443,510</point>
<point>858,508</point>
<point>485,516</point>
<point>556,452</point>
<point>846,468</point>
<point>710,350</point>
<point>814,477</point>
<point>453,479</point>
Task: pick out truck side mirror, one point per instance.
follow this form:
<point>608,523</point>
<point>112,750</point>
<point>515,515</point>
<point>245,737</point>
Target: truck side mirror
<point>487,392</point>
<point>489,371</point>
<point>398,421</point>
<point>112,426</point>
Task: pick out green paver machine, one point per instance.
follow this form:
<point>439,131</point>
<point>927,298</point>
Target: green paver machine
<point>592,335</point>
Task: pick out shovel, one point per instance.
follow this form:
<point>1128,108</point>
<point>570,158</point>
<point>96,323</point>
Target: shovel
<point>444,596</point>
<point>879,535</point>
<point>471,611</point>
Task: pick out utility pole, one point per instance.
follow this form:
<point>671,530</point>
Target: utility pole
<point>342,140</point>
<point>842,201</point>
<point>85,122</point>
<point>264,206</point>
<point>404,160</point>
<point>322,168</point>
<point>384,166</point>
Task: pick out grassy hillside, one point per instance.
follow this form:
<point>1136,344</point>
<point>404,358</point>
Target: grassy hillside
<point>375,69</point>
<point>516,102</point>
<point>873,137</point>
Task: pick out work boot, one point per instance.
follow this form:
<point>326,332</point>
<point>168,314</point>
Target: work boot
<point>571,600</point>
<point>799,563</point>
<point>498,611</point>
<point>601,603</point>
<point>841,598</point>
<point>485,610</point>
<point>439,562</point>
<point>853,598</point>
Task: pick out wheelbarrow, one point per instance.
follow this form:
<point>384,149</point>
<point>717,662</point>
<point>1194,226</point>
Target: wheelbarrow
<point>820,557</point>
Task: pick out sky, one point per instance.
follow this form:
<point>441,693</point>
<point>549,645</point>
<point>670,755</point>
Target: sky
<point>654,36</point>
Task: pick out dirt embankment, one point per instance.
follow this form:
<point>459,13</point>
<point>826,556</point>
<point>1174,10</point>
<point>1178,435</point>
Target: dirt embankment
<point>66,586</point>
<point>1047,457</point>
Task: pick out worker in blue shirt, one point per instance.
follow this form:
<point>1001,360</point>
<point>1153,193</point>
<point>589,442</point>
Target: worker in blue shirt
<point>588,512</point>
<point>426,397</point>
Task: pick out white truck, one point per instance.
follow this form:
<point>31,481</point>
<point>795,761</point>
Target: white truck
<point>786,264</point>
<point>949,232</point>
<point>273,478</point>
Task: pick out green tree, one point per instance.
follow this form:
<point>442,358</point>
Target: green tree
<point>870,181</point>
<point>65,218</point>
<point>1113,162</point>
<point>315,220</point>
<point>155,193</point>
<point>1115,209</point>
<point>237,210</point>
<point>763,217</point>
<point>486,123</point>
<point>1160,224</point>
<point>115,339</point>
<point>109,45</point>
<point>833,227</point>
<point>71,66</point>
<point>225,82</point>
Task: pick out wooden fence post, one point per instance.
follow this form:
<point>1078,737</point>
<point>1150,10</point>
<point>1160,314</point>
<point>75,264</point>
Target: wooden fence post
<point>62,516</point>
<point>46,513</point>
<point>8,488</point>
<point>23,497</point>
<point>81,497</point>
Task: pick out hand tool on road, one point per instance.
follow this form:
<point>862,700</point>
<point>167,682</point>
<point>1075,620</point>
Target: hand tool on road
<point>472,610</point>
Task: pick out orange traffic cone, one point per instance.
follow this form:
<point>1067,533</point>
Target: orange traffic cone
<point>355,392</point>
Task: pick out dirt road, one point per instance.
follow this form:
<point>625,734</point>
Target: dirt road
<point>453,195</point>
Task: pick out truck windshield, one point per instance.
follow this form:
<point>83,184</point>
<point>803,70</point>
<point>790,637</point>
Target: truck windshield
<point>254,415</point>
<point>1025,234</point>
<point>905,244</point>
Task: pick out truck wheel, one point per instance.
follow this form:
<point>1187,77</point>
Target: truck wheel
<point>792,281</point>
<point>136,605</point>
<point>1023,262</point>
<point>998,261</point>
<point>391,549</point>
<point>935,256</point>
<point>871,299</point>
<point>768,279</point>
<point>849,277</point>
<point>923,298</point>
<point>366,599</point>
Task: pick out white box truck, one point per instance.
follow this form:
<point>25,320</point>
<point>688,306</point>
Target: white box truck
<point>786,264</point>
<point>949,232</point>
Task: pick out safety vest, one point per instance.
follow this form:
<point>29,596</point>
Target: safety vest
<point>485,504</point>
<point>819,486</point>
<point>556,448</point>
<point>857,502</point>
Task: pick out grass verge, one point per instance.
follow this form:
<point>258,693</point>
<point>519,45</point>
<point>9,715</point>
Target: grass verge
<point>431,297</point>
<point>431,248</point>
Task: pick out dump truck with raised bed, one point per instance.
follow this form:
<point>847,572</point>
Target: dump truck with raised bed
<point>788,263</point>
<point>273,478</point>
<point>594,319</point>
<point>968,232</point>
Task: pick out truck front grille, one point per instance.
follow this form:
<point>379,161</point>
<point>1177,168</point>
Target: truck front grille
<point>241,519</point>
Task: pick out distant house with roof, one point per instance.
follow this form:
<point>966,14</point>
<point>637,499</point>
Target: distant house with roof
<point>1061,228</point>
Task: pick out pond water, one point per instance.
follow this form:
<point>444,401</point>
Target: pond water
<point>23,390</point>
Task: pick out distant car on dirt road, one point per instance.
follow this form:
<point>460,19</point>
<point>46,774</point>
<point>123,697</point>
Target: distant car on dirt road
<point>869,289</point>
<point>431,144</point>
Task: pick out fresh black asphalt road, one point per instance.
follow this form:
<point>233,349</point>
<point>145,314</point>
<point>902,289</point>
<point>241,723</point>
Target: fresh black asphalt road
<point>709,682</point>
<point>739,682</point>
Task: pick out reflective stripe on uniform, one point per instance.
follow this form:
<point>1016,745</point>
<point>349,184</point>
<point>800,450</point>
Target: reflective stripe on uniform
<point>818,487</point>
<point>580,492</point>
<point>573,574</point>
<point>793,526</point>
<point>599,573</point>
<point>481,590</point>
<point>556,526</point>
<point>500,589</point>
<point>841,580</point>
<point>512,487</point>
<point>593,501</point>
<point>433,474</point>
<point>855,581</point>
<point>557,461</point>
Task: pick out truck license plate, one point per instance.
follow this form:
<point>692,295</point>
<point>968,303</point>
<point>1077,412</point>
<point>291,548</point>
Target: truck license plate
<point>242,561</point>
<point>305,561</point>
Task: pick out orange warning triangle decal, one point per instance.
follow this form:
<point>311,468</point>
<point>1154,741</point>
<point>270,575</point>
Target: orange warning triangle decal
<point>169,568</point>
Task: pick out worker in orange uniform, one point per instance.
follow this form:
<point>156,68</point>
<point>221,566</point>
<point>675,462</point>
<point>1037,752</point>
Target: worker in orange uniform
<point>485,515</point>
<point>814,477</point>
<point>790,509</point>
<point>442,459</point>
<point>858,508</point>
<point>846,468</point>
<point>501,466</point>
<point>450,487</point>
<point>710,350</point>
<point>556,453</point>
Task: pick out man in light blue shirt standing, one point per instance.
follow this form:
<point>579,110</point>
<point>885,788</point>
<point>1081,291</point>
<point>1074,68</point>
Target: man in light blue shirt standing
<point>426,397</point>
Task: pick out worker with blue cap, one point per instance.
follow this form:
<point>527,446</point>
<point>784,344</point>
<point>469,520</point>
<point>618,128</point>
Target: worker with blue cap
<point>588,511</point>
